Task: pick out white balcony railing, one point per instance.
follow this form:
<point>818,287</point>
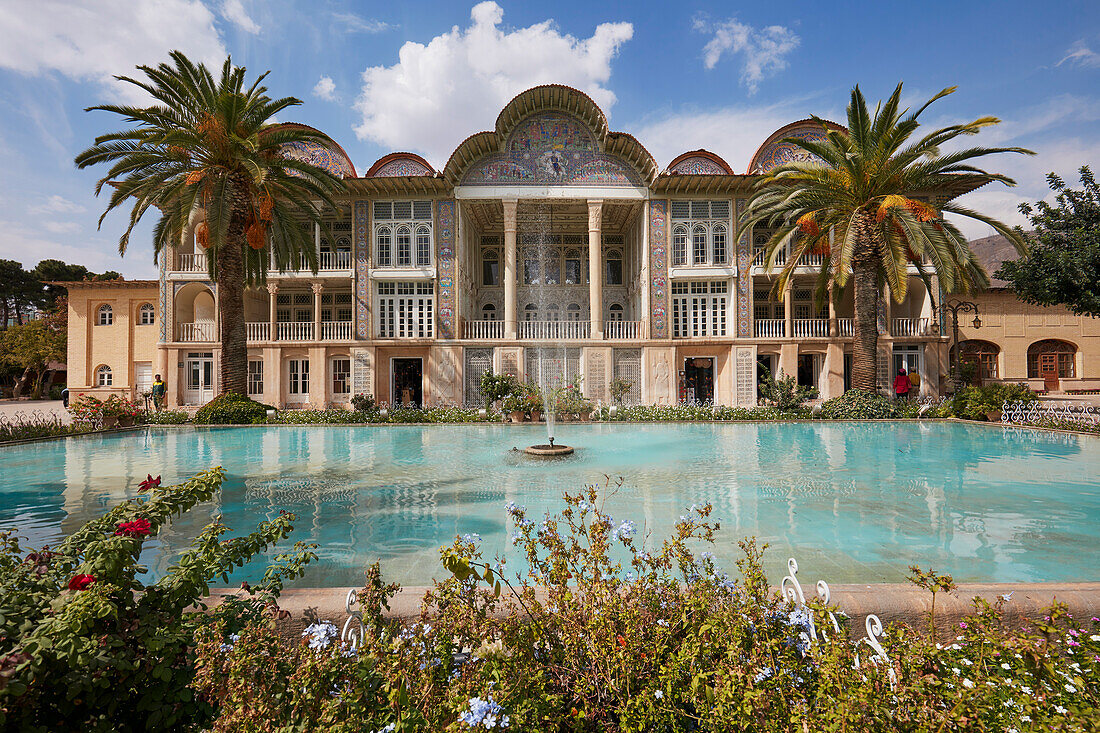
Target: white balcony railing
<point>554,329</point>
<point>294,331</point>
<point>192,262</point>
<point>769,328</point>
<point>483,330</point>
<point>911,327</point>
<point>333,260</point>
<point>810,328</point>
<point>196,332</point>
<point>336,331</point>
<point>622,329</point>
<point>258,331</point>
<point>845,327</point>
<point>808,260</point>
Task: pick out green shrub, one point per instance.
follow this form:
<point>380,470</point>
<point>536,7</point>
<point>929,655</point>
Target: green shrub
<point>56,390</point>
<point>973,403</point>
<point>363,403</point>
<point>495,387</point>
<point>166,417</point>
<point>86,645</point>
<point>231,408</point>
<point>26,426</point>
<point>602,629</point>
<point>856,404</point>
<point>785,393</point>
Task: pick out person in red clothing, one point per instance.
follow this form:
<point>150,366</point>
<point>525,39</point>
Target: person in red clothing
<point>902,385</point>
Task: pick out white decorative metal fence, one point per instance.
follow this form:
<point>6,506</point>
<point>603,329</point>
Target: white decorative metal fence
<point>1051,414</point>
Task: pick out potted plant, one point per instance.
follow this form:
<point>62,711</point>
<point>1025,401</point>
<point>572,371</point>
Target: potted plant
<point>533,402</point>
<point>496,387</point>
<point>584,409</point>
<point>514,405</point>
<point>87,410</point>
<point>123,409</point>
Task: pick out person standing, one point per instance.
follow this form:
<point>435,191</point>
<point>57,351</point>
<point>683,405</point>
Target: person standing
<point>160,393</point>
<point>902,385</point>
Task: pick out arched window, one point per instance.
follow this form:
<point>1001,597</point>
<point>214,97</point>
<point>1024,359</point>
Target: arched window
<point>103,376</point>
<point>573,313</point>
<point>614,265</point>
<point>530,312</point>
<point>553,313</point>
<point>699,245</point>
<point>615,312</point>
<point>147,315</point>
<point>679,245</point>
<point>105,315</point>
<point>423,247</point>
<point>383,253</point>
<point>983,355</point>
<point>574,273</point>
<point>489,312</point>
<point>404,247</point>
<point>718,244</point>
<point>1051,358</point>
<point>490,267</point>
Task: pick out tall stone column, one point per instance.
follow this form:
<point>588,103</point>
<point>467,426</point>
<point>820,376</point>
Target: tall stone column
<point>510,274</point>
<point>788,311</point>
<point>595,267</point>
<point>272,309</point>
<point>317,289</point>
<point>834,329</point>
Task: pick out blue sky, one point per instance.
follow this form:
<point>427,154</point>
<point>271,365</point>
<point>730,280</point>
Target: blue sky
<point>422,76</point>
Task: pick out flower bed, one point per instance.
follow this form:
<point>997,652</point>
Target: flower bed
<point>32,425</point>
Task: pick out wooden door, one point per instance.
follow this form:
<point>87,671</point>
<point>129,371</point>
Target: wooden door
<point>1048,370</point>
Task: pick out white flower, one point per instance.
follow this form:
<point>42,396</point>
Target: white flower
<point>321,634</point>
<point>955,670</point>
<point>1070,689</point>
<point>658,694</point>
<point>967,662</point>
<point>1004,665</point>
<point>1095,637</point>
<point>967,683</point>
<point>1025,718</point>
<point>1060,710</point>
<point>1025,689</point>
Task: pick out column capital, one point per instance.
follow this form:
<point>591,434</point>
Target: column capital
<point>317,288</point>
<point>595,214</point>
<point>272,288</point>
<point>510,206</point>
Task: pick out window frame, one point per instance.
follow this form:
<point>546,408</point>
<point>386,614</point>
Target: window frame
<point>105,315</point>
<point>104,376</point>
<point>334,375</point>
<point>147,308</point>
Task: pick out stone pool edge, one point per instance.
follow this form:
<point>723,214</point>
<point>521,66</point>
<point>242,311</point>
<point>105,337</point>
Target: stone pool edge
<point>891,602</point>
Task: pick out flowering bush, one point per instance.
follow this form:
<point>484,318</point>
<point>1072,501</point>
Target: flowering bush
<point>338,416</point>
<point>28,426</point>
<point>86,645</point>
<point>166,417</point>
<point>86,409</point>
<point>694,412</point>
<point>604,629</point>
<point>119,406</point>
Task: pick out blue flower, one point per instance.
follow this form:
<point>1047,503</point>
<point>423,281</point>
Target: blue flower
<point>625,530</point>
<point>484,714</point>
<point>764,674</point>
<point>320,634</point>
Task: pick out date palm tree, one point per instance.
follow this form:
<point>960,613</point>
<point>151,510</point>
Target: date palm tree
<point>207,155</point>
<point>873,200</point>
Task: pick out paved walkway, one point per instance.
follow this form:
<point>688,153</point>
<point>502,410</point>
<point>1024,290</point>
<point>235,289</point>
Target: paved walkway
<point>13,407</point>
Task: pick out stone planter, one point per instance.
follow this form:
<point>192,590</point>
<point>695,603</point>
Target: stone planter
<point>585,415</point>
<point>517,416</point>
<point>536,415</point>
<point>126,421</point>
<point>109,421</point>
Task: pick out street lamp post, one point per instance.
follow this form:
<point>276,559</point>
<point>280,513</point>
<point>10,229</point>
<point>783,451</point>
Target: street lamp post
<point>956,307</point>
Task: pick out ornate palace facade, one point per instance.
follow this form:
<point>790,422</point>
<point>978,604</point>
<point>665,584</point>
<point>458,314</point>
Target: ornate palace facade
<point>547,243</point>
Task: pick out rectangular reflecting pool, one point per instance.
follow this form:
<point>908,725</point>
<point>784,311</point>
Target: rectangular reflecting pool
<point>854,502</point>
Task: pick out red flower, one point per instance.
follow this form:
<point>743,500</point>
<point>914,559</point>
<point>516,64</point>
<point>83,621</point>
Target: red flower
<point>80,582</point>
<point>619,638</point>
<point>149,482</point>
<point>137,529</point>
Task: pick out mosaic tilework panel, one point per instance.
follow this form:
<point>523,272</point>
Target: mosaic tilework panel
<point>362,275</point>
<point>780,153</point>
<point>744,276</point>
<point>318,155</point>
<point>698,166</point>
<point>552,149</point>
<point>445,266</point>
<point>165,316</point>
<point>401,167</point>
<point>551,132</point>
<point>658,268</point>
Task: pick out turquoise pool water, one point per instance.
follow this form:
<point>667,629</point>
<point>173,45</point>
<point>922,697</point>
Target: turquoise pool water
<point>854,502</point>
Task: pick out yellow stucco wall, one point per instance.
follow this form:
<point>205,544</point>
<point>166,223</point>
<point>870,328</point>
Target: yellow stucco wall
<point>120,346</point>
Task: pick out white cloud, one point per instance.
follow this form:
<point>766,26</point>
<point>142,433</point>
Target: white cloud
<point>61,227</point>
<point>325,89</point>
<point>1079,54</point>
<point>93,41</point>
<point>234,12</point>
<point>57,205</point>
<point>763,49</point>
<point>352,23</point>
<point>30,244</point>
<point>439,92</point>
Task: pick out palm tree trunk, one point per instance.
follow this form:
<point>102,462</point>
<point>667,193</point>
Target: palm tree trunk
<point>865,321</point>
<point>234,354</point>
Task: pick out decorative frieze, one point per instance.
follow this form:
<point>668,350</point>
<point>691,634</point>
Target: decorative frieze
<point>445,266</point>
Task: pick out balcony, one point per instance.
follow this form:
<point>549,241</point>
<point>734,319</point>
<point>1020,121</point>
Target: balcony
<point>327,261</point>
<point>769,328</point>
<point>336,331</point>
<point>194,333</point>
<point>845,327</point>
<point>814,328</point>
<point>615,330</point>
<point>911,327</point>
<point>554,330</point>
<point>258,331</point>
<point>483,330</point>
<point>808,260</point>
<point>192,263</point>
<point>294,331</point>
